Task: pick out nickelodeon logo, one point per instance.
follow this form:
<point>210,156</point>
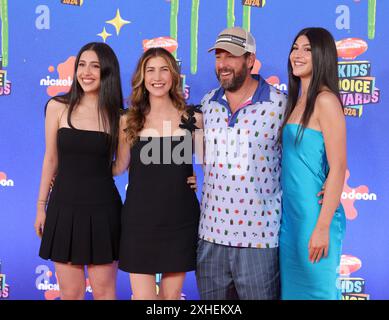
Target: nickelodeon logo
<point>51,290</point>
<point>4,181</point>
<point>359,196</point>
<point>350,195</point>
<point>48,286</point>
<point>56,82</point>
<point>276,83</point>
<point>62,83</point>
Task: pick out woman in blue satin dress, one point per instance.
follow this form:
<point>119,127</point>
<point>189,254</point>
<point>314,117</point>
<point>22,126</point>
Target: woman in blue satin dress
<point>314,156</point>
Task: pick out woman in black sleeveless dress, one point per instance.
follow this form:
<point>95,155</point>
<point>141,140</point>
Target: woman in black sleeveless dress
<point>161,212</point>
<point>81,223</point>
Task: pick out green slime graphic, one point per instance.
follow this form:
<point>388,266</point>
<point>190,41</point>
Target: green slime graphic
<point>4,31</point>
<point>246,18</point>
<point>230,13</point>
<point>173,21</point>
<point>194,30</point>
<point>371,15</point>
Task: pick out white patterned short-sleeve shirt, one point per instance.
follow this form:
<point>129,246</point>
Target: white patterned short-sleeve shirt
<point>241,195</point>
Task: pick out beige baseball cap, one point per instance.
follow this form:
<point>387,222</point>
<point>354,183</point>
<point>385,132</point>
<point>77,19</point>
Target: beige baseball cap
<point>235,40</point>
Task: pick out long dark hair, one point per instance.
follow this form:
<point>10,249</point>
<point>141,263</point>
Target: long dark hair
<point>324,73</point>
<point>110,101</point>
<point>139,100</point>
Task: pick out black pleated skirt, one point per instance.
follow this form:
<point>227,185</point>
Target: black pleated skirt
<point>81,234</point>
<point>83,214</point>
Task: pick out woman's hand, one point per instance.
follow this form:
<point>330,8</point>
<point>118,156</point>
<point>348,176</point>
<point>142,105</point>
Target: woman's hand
<point>40,220</point>
<point>318,244</point>
<point>321,192</point>
<point>192,181</point>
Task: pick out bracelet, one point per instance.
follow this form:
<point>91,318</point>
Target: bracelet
<point>42,201</point>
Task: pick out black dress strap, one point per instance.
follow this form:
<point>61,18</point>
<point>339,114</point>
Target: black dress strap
<point>188,119</point>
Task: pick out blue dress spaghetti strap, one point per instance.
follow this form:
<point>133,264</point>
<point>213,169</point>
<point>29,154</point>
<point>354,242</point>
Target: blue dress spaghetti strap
<point>304,171</point>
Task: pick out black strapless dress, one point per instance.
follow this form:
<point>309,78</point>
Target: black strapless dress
<point>160,216</point>
<point>83,213</point>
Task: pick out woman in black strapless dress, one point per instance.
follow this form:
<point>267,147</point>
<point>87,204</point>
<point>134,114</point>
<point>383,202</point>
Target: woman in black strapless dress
<point>79,220</point>
<point>161,212</point>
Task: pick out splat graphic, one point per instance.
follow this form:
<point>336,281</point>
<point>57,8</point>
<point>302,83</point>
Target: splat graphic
<point>65,72</point>
<point>349,196</point>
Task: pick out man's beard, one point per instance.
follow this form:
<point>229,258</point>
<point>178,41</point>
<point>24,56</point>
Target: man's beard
<point>237,80</point>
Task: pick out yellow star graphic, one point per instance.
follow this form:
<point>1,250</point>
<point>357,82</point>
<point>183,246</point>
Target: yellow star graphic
<point>104,34</point>
<point>118,22</point>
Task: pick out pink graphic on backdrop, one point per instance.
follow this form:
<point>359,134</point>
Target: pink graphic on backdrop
<point>65,71</point>
<point>54,294</point>
<point>350,48</point>
<point>168,43</point>
<point>272,80</point>
<point>348,204</point>
<point>257,66</point>
<point>3,176</point>
<point>349,264</point>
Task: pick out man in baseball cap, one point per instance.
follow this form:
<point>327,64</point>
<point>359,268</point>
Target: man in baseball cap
<point>235,57</point>
<point>237,255</point>
<point>236,40</point>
